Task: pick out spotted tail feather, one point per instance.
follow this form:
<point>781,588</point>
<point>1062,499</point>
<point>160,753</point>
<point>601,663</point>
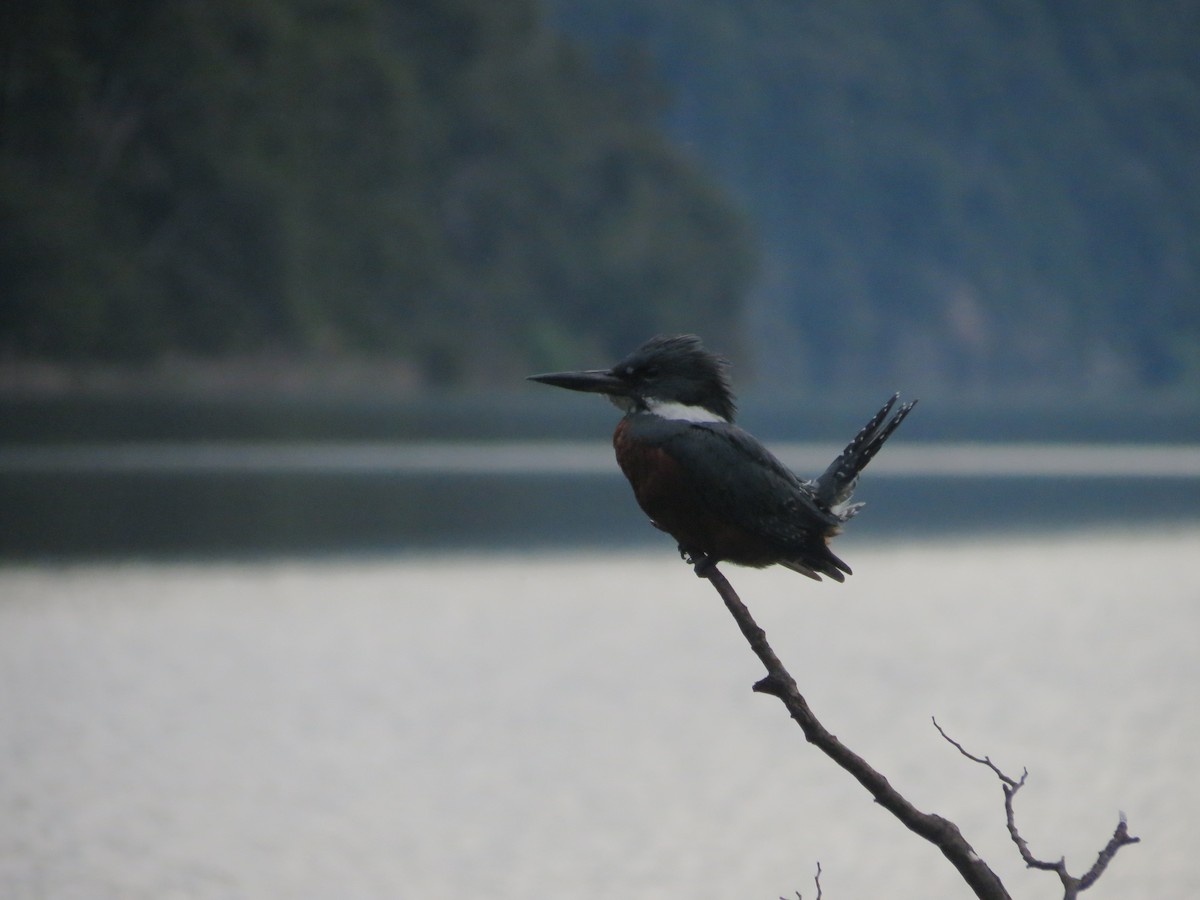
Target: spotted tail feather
<point>836,484</point>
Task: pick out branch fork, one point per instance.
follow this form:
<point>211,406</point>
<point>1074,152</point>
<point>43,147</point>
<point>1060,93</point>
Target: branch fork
<point>1072,885</point>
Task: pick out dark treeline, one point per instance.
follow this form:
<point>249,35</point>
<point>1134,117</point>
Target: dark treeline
<point>964,193</point>
<point>443,181</point>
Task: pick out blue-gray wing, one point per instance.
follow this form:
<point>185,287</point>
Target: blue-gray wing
<point>741,481</point>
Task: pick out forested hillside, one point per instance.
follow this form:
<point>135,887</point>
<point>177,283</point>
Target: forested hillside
<point>961,193</point>
<point>926,194</point>
<point>442,181</point>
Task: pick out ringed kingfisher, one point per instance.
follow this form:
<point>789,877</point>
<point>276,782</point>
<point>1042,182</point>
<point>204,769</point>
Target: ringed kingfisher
<point>712,486</point>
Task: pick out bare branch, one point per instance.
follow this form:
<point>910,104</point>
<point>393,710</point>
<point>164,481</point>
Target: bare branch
<point>778,682</point>
<point>983,761</point>
<point>1119,839</point>
<point>1072,886</point>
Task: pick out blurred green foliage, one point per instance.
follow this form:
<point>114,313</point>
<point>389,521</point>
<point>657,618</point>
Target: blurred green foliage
<point>962,195</point>
<point>965,193</point>
<point>445,181</point>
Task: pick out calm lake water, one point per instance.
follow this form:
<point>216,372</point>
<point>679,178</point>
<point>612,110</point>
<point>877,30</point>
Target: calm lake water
<point>581,725</point>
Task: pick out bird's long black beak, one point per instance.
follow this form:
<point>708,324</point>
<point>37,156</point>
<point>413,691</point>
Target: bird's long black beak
<point>593,381</point>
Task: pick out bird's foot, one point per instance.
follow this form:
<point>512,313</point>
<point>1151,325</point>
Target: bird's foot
<point>701,563</point>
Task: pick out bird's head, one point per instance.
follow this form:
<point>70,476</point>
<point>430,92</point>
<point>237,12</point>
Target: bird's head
<point>675,377</point>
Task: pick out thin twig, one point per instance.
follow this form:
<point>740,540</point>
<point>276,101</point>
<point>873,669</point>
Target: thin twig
<point>816,880</point>
<point>1072,886</point>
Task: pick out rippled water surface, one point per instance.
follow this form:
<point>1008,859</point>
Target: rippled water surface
<point>576,726</point>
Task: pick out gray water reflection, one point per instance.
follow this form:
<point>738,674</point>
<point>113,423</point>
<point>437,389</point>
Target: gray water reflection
<point>583,726</point>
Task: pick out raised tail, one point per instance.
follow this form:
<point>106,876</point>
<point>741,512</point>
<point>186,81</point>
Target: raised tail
<point>836,483</point>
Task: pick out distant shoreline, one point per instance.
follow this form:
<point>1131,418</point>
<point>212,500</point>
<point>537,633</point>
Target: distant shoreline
<point>216,377</point>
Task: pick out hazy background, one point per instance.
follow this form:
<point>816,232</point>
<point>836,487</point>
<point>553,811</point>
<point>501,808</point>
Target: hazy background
<point>304,591</point>
<point>993,198</point>
<point>338,222</point>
